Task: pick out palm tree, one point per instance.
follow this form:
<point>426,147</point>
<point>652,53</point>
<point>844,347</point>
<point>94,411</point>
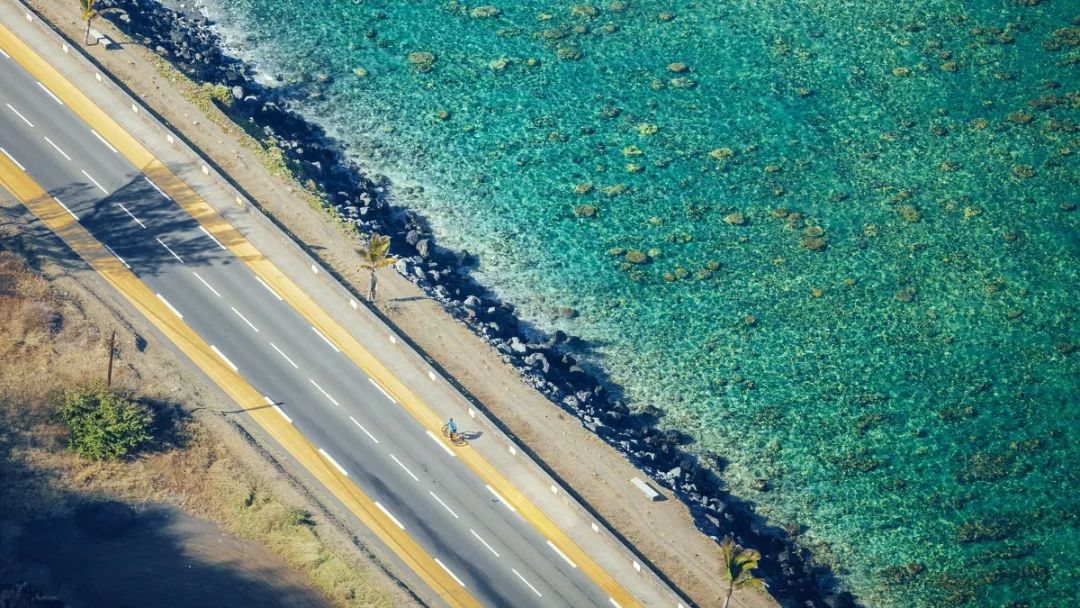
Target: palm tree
<point>89,12</point>
<point>375,255</point>
<point>737,567</point>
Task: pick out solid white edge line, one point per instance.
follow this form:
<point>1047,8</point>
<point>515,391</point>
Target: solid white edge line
<point>333,462</point>
<point>64,154</point>
<point>445,506</point>
<point>12,159</point>
<point>167,248</point>
<point>205,283</point>
<point>561,554</point>
<point>271,403</point>
<point>100,187</point>
<point>332,400</point>
<point>44,88</point>
<point>70,212</point>
<point>102,140</point>
<point>489,547</point>
<point>441,444</point>
<point>614,603</point>
<point>392,518</point>
<point>526,582</point>
<point>6,56</point>
<point>166,302</point>
<point>239,314</point>
<point>452,575</point>
<point>122,261</point>
<point>501,499</point>
<point>325,339</point>
<point>160,191</point>
<point>223,357</point>
<point>367,432</point>
<point>207,233</point>
<point>132,215</point>
<point>295,366</point>
<point>268,288</point>
<point>382,390</point>
<point>19,114</point>
<point>402,465</point>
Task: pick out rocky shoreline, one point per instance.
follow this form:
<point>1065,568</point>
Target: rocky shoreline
<point>546,362</point>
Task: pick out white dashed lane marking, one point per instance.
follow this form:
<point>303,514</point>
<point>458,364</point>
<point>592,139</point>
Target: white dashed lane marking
<point>526,582</point>
<point>19,114</point>
<point>102,140</point>
<point>334,462</point>
<point>70,212</point>
<point>131,215</point>
<point>445,506</point>
<point>284,355</point>
<point>62,153</point>
<point>484,542</point>
<point>12,159</point>
<point>448,571</point>
<point>501,499</point>
<point>169,249</point>
<point>95,182</point>
<point>165,302</point>
<point>50,93</point>
<point>325,339</point>
<point>223,357</point>
<point>271,403</point>
<point>326,394</point>
<point>366,432</point>
<point>203,281</point>
<point>389,514</point>
<point>405,468</point>
<point>242,317</point>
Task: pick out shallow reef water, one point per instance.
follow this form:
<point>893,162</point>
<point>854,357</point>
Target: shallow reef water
<point>835,241</point>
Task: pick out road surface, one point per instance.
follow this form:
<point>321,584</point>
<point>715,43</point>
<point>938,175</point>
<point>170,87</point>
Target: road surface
<point>416,480</point>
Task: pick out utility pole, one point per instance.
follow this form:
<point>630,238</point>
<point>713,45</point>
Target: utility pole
<point>112,353</point>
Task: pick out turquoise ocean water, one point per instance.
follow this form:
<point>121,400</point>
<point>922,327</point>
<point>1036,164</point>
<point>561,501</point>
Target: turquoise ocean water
<point>861,279</point>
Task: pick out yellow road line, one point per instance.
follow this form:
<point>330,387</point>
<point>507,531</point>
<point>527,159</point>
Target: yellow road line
<point>146,302</point>
<point>224,232</point>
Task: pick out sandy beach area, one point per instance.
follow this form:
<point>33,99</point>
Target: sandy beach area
<point>663,532</point>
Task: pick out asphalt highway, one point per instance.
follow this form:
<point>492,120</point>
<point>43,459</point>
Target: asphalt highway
<point>416,479</point>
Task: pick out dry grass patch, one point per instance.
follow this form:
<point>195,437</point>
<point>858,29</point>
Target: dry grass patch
<point>47,342</point>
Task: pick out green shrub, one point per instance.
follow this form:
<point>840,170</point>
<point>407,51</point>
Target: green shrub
<point>104,424</point>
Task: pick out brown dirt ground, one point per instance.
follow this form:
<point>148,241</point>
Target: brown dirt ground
<point>662,532</point>
<point>224,509</point>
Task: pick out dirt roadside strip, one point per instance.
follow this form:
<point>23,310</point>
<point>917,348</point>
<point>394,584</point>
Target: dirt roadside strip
<point>487,468</point>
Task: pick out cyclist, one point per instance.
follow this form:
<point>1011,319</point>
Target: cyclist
<point>451,426</point>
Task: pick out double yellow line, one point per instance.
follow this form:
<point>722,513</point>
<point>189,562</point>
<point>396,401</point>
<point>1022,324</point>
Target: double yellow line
<point>87,247</point>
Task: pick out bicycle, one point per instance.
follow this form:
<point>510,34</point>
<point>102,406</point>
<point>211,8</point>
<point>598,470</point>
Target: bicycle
<point>455,437</point>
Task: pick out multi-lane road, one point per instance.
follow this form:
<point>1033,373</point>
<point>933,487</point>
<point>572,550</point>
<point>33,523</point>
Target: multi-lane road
<point>415,478</point>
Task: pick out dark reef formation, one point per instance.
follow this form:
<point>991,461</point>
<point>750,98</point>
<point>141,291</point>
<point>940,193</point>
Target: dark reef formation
<point>546,362</point>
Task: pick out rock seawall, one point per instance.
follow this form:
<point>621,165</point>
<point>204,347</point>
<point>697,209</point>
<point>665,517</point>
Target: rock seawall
<point>547,363</point>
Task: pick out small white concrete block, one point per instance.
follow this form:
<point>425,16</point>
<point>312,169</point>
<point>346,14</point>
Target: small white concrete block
<point>595,528</point>
<point>554,489</point>
<point>472,413</point>
<point>352,303</point>
<point>393,338</point>
<point>637,566</point>
<point>431,375</point>
<point>645,488</point>
<point>29,17</point>
<point>98,76</point>
<point>205,170</point>
<point>314,269</point>
<point>512,450</point>
<point>135,108</point>
<point>65,47</point>
<point>169,138</point>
